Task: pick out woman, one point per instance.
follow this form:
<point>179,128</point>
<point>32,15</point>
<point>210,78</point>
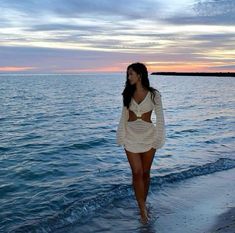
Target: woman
<point>137,133</point>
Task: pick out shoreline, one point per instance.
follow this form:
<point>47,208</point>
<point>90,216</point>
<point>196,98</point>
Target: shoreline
<point>200,204</point>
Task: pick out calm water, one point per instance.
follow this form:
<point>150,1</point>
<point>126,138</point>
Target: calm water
<point>60,164</point>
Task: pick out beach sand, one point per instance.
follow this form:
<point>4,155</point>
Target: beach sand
<point>202,204</point>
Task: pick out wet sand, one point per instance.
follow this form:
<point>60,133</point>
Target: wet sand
<point>225,223</point>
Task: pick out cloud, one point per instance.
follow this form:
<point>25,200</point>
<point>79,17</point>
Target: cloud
<point>210,12</point>
<point>214,36</point>
<point>207,41</point>
<point>62,27</point>
<point>223,68</point>
<point>14,68</point>
<point>48,60</point>
<point>73,8</point>
<point>56,60</point>
<point>74,35</point>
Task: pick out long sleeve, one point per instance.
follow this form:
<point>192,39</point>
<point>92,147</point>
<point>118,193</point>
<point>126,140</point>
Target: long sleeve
<point>121,129</point>
<point>160,133</point>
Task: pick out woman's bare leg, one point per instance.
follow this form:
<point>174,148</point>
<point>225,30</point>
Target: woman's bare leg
<point>137,181</point>
<point>147,159</point>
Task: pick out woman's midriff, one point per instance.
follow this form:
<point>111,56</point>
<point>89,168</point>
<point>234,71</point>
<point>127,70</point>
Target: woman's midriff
<point>145,116</point>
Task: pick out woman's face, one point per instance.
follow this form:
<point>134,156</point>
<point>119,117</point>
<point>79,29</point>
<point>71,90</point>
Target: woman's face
<point>133,77</point>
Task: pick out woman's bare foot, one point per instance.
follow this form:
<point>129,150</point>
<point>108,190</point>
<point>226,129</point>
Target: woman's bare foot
<point>144,216</point>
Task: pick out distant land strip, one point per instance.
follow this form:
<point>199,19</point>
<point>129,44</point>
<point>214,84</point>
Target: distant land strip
<point>219,74</point>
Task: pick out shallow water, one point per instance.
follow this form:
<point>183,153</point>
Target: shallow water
<point>189,206</point>
<point>60,164</point>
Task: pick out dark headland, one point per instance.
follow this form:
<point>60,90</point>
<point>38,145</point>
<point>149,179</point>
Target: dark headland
<point>218,74</point>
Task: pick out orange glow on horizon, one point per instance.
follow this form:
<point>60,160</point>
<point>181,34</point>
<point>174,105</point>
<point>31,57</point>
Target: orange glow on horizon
<point>151,66</point>
<point>192,67</point>
<point>177,68</point>
<point>108,69</point>
<point>15,68</point>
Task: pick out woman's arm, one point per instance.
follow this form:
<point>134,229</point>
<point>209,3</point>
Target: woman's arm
<point>160,133</point>
<point>121,129</point>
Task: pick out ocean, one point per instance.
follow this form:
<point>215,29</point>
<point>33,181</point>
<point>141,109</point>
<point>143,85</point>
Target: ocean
<point>61,169</point>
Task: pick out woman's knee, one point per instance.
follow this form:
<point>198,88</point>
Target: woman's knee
<point>137,173</point>
<point>146,174</point>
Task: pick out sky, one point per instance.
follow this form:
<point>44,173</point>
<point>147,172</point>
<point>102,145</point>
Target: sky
<point>79,36</point>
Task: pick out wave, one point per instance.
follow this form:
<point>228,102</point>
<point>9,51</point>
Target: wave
<point>88,144</point>
<point>199,170</point>
<point>82,210</point>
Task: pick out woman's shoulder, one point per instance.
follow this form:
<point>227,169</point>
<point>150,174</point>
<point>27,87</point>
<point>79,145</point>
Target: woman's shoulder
<point>156,92</point>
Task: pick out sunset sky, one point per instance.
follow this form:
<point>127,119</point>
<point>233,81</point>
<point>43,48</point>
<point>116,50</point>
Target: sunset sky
<point>76,36</point>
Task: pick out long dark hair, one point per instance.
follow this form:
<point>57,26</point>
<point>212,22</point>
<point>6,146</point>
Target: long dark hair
<point>129,89</point>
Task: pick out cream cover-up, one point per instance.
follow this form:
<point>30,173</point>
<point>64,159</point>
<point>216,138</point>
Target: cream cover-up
<point>140,136</point>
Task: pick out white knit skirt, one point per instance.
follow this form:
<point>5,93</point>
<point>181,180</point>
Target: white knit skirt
<point>139,136</point>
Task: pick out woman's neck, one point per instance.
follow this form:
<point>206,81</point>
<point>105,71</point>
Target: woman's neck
<point>140,88</point>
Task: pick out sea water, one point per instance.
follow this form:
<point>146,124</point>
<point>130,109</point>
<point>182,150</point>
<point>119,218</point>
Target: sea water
<point>61,166</point>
